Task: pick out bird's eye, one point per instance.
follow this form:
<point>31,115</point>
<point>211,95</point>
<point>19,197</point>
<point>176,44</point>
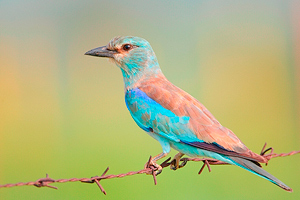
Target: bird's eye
<point>127,47</point>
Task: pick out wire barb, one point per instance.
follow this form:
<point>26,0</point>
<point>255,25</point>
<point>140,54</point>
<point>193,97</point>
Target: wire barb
<point>97,179</point>
<point>43,182</point>
<point>149,169</point>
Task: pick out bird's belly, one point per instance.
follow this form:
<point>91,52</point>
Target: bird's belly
<point>197,152</point>
<point>187,149</point>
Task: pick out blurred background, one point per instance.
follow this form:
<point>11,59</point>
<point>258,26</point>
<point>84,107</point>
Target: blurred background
<point>63,113</point>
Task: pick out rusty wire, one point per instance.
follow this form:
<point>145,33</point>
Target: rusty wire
<point>149,169</point>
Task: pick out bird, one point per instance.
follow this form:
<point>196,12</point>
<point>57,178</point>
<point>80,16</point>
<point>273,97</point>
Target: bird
<point>172,116</point>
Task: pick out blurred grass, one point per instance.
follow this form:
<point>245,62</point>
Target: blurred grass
<point>64,114</point>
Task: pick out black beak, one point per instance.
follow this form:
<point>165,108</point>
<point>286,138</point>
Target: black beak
<point>101,52</point>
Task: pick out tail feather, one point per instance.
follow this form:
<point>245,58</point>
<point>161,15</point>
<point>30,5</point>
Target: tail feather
<point>252,167</point>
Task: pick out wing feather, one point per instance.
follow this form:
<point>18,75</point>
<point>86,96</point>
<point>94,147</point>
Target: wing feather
<point>201,123</point>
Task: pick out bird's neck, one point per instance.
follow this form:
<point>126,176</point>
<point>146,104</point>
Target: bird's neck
<point>135,78</point>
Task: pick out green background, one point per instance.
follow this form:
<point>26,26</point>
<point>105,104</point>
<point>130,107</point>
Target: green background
<point>63,113</point>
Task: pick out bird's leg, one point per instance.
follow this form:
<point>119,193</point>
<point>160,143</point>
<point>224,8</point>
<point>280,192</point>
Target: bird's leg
<point>175,162</point>
<point>153,163</point>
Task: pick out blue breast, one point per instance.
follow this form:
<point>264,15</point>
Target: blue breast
<point>151,116</point>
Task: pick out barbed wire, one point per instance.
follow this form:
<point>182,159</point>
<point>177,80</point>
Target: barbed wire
<point>149,169</point>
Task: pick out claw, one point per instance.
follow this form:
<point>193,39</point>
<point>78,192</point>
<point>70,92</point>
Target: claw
<point>176,160</point>
<point>177,165</point>
<point>184,162</point>
<point>156,168</point>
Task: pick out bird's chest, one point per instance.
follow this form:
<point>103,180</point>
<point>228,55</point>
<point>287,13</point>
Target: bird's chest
<point>153,117</point>
<point>140,108</point>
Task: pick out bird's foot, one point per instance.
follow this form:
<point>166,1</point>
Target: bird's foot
<point>175,163</point>
<point>156,168</point>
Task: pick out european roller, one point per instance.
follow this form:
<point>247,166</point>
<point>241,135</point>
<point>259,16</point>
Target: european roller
<point>170,115</point>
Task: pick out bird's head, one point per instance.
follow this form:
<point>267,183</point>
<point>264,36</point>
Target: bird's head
<point>133,55</point>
